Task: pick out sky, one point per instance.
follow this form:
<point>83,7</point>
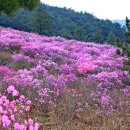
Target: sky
<point>104,9</point>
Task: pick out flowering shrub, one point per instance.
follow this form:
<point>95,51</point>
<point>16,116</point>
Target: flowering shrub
<point>84,67</point>
<point>105,100</point>
<point>59,74</point>
<point>13,112</point>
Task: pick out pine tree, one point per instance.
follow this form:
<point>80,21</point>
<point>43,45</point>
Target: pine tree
<point>5,20</point>
<point>40,21</point>
<point>20,20</point>
<point>111,38</point>
<point>79,33</point>
<point>30,4</point>
<point>97,36</point>
<point>9,6</point>
<point>126,48</point>
<point>128,30</point>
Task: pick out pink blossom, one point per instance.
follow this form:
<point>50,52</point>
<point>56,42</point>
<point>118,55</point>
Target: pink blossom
<point>105,100</point>
<point>17,126</point>
<point>31,127</point>
<point>29,102</point>
<point>5,120</point>
<point>12,117</point>
<point>15,93</point>
<point>27,108</point>
<point>30,121</point>
<point>10,89</point>
<point>86,66</point>
<point>36,126</point>
<point>22,98</point>
<point>1,109</point>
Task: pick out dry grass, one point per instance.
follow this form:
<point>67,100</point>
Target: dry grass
<point>85,122</point>
<point>65,117</point>
<point>5,57</point>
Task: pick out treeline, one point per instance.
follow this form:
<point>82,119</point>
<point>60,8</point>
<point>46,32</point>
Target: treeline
<point>54,21</point>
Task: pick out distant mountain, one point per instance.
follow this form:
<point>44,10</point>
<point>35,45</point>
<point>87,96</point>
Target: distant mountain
<point>121,22</point>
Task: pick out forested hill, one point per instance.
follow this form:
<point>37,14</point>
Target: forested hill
<point>64,22</point>
<point>68,21</point>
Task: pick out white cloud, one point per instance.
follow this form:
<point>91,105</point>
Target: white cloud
<point>106,9</point>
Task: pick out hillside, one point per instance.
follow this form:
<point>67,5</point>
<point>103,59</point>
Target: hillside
<point>66,23</point>
<point>68,20</point>
<point>67,84</point>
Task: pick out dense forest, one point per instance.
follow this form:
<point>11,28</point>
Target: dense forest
<point>55,21</point>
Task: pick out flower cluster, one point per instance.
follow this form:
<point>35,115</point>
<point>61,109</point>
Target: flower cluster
<point>12,112</point>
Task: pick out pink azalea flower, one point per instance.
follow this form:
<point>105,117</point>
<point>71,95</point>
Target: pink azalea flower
<point>27,108</point>
<point>10,89</point>
<point>6,122</point>
<point>15,93</point>
<point>12,117</point>
<point>30,121</point>
<point>29,102</point>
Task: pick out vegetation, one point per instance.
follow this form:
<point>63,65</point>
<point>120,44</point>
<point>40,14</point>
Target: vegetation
<point>128,30</point>
<point>111,38</point>
<point>52,83</point>
<point>63,22</point>
<point>67,84</point>
<point>9,6</point>
<point>79,34</point>
<point>40,21</point>
<point>126,45</point>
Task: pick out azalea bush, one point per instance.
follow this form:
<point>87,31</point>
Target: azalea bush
<point>67,80</point>
<point>14,109</point>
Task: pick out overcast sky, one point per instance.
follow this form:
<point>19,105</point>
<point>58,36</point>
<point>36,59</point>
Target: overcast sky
<point>106,9</point>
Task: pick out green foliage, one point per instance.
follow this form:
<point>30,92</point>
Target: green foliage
<point>20,20</point>
<point>98,36</point>
<point>9,6</point>
<point>128,24</point>
<point>128,30</point>
<point>66,34</point>
<point>118,43</point>
<point>128,51</point>
<point>111,38</point>
<point>5,20</point>
<point>128,62</point>
<point>29,4</point>
<point>40,21</point>
<point>126,48</point>
<point>79,33</point>
<point>65,23</point>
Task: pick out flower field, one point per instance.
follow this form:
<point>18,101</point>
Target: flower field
<point>51,83</point>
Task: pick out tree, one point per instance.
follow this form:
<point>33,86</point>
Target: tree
<point>5,20</point>
<point>97,36</point>
<point>79,33</point>
<point>127,34</point>
<point>20,20</point>
<point>127,49</point>
<point>68,20</point>
<point>111,38</point>
<point>40,21</point>
<point>66,34</point>
<point>9,6</point>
